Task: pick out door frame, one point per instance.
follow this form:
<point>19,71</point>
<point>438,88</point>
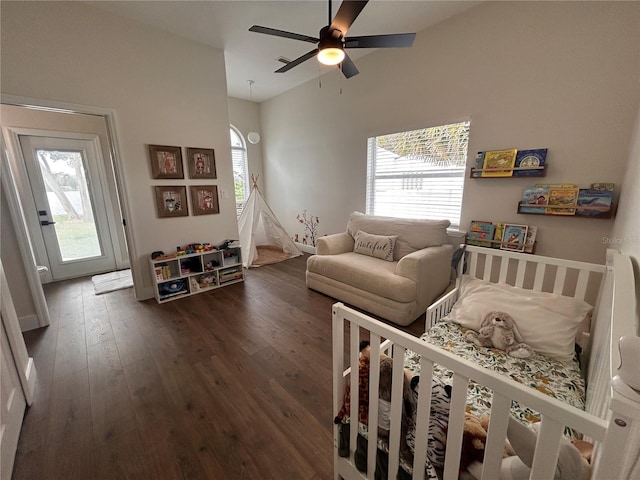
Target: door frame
<point>26,248</point>
<point>114,160</point>
<point>103,194</point>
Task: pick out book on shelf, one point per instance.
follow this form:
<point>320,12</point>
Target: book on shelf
<point>499,163</point>
<point>478,163</point>
<point>480,233</point>
<point>514,237</point>
<point>534,159</point>
<point>497,235</point>
<point>594,203</point>
<point>158,271</point>
<point>602,186</point>
<point>164,295</point>
<point>562,201</point>
<point>533,196</point>
<point>530,241</point>
<point>228,275</point>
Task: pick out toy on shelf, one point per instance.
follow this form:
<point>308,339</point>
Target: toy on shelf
<point>195,248</point>
<point>226,244</point>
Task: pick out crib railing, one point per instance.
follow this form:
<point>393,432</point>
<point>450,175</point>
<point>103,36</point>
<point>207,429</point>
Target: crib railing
<point>555,415</point>
<point>535,272</point>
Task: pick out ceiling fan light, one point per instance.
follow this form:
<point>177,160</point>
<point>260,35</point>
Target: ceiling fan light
<point>330,56</point>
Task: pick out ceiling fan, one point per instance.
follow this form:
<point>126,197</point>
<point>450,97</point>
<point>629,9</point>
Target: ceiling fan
<point>333,41</point>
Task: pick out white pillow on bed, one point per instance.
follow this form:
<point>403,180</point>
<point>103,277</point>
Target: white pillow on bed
<point>548,323</point>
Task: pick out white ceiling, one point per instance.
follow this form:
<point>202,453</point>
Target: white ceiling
<point>253,56</point>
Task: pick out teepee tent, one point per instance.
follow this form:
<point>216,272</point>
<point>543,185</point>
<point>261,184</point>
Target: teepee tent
<point>262,238</point>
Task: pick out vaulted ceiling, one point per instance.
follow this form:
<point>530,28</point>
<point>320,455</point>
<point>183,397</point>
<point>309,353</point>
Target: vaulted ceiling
<point>252,56</point>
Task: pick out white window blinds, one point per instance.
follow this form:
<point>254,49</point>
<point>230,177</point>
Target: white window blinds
<point>418,174</point>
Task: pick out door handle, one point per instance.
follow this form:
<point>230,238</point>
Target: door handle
<point>46,222</point>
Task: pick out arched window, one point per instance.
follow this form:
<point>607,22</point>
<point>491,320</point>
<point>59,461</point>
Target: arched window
<point>240,168</point>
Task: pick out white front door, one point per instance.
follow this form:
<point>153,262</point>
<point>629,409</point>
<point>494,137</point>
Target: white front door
<point>67,191</point>
<point>13,404</point>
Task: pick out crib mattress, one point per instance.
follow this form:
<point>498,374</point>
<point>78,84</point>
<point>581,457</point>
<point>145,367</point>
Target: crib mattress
<point>563,381</point>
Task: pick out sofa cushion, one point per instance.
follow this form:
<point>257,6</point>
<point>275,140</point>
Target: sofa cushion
<point>378,246</point>
<point>413,234</point>
<point>366,273</point>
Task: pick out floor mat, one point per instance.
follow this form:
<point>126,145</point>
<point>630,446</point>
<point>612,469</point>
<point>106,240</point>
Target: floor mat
<point>111,281</point>
<point>269,254</point>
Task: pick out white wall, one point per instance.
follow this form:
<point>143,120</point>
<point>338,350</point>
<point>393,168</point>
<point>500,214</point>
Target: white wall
<point>560,75</point>
<point>163,89</point>
<point>626,231</point>
<point>245,116</point>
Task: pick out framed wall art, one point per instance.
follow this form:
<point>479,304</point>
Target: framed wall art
<point>204,199</point>
<point>202,163</point>
<point>171,201</point>
<point>166,162</point>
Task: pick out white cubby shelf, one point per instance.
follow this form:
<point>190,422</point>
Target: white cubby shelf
<point>178,276</point>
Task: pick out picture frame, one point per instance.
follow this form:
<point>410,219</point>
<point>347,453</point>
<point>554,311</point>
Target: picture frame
<point>202,163</point>
<point>204,199</point>
<point>514,237</point>
<point>171,201</point>
<point>166,162</point>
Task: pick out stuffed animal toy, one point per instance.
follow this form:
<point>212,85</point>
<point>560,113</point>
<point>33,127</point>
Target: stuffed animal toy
<point>474,436</point>
<point>499,330</point>
<point>438,420</point>
<point>573,457</point>
<point>363,392</point>
<point>384,397</point>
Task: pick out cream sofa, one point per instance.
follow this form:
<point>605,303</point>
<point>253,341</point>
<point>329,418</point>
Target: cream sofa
<point>398,289</point>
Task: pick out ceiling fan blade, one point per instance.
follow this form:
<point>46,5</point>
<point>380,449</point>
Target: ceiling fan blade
<point>282,33</point>
<point>347,13</point>
<point>381,41</point>
<point>297,61</point>
<point>348,67</point>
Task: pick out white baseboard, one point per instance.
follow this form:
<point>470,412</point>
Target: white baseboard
<point>306,248</point>
<point>29,322</point>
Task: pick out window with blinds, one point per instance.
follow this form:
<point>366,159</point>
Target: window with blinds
<point>418,174</point>
<point>240,168</point>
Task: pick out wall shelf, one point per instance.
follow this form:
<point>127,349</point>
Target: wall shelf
<point>582,211</point>
<point>177,276</point>
<point>497,244</point>
<point>513,172</point>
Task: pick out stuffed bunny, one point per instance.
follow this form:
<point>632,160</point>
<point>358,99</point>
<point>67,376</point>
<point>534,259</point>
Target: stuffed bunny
<point>500,331</point>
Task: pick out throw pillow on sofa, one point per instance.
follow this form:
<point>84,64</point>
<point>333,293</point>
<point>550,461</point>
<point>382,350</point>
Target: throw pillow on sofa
<point>413,234</point>
<point>378,246</point>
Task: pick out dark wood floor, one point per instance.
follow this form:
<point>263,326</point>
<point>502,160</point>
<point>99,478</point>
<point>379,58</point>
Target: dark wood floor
<point>229,384</point>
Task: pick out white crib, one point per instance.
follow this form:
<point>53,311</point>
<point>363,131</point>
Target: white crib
<point>611,419</point>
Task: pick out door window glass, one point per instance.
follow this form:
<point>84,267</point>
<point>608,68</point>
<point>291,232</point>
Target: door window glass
<point>63,172</point>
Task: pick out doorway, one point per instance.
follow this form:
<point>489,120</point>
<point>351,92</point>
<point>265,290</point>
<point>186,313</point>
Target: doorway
<point>65,182</point>
<point>23,116</point>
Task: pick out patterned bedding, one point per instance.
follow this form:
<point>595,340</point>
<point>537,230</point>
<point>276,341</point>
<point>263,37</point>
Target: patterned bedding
<point>560,380</point>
